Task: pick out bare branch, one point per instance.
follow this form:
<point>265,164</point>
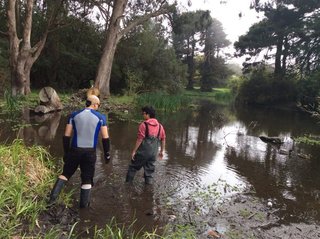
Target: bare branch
<point>28,24</point>
<point>4,34</point>
<point>140,20</point>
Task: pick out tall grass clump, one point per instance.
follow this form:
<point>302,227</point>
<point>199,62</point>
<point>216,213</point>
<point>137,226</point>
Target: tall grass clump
<point>25,175</point>
<point>162,101</point>
<point>11,102</point>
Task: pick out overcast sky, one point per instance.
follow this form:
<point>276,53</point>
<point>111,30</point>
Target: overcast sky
<point>228,14</point>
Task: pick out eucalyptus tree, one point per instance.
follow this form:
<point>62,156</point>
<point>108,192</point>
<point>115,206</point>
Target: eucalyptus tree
<point>24,49</point>
<point>121,17</point>
<point>188,27</point>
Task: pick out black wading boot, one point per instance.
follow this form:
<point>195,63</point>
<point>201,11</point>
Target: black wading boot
<point>85,198</point>
<point>148,180</point>
<point>129,177</point>
<point>56,190</point>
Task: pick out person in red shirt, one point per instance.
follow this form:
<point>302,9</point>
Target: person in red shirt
<point>151,136</point>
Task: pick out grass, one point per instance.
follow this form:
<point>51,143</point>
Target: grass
<point>222,95</point>
<point>115,231</point>
<point>118,100</point>
<point>309,140</point>
<point>169,103</point>
<point>26,174</point>
<point>162,101</point>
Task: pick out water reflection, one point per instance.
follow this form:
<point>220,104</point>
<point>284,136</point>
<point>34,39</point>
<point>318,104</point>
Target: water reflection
<point>214,145</point>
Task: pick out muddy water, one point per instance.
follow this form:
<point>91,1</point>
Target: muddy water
<point>214,152</point>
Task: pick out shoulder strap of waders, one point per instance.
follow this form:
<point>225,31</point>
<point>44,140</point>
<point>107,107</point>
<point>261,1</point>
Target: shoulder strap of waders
<point>159,131</point>
<point>147,130</point>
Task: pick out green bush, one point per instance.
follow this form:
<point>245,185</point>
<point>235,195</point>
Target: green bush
<point>262,88</point>
<point>310,85</point>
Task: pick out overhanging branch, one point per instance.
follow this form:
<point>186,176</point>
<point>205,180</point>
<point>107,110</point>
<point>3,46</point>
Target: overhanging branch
<point>140,20</point>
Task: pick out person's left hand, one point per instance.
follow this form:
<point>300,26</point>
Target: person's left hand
<point>160,155</point>
<point>132,155</point>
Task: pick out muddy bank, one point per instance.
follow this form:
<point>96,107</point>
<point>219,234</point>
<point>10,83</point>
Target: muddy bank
<point>240,216</point>
<point>77,100</point>
<point>244,216</point>
<point>59,218</point>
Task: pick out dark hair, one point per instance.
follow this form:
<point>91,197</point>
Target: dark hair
<point>149,110</point>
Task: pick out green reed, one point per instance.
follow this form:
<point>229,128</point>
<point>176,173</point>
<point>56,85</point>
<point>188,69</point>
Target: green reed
<point>162,101</point>
<point>11,102</point>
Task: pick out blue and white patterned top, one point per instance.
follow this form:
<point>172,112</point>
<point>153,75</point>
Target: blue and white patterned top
<point>86,125</point>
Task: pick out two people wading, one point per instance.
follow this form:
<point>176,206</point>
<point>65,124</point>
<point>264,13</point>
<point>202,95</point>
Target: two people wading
<point>81,138</point>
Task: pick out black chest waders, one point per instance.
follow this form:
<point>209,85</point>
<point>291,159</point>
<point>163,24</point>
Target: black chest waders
<point>145,157</point>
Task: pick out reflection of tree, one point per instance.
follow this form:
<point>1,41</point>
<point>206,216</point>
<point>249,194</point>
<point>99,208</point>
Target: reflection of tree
<point>191,142</point>
<point>273,178</point>
<point>46,132</point>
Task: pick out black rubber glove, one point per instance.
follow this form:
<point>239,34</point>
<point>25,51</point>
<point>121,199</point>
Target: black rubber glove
<point>65,157</point>
<point>106,149</point>
<point>66,147</point>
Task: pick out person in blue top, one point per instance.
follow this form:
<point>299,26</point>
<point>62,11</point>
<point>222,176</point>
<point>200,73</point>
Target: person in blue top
<point>82,130</point>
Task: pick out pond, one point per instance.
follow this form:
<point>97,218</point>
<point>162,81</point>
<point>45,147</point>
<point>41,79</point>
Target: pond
<point>214,151</point>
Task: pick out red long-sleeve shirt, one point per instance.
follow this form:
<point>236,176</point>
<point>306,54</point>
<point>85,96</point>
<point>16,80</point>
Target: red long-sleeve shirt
<point>153,127</point>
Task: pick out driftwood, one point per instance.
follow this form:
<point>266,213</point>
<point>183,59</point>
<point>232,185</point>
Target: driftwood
<point>49,101</point>
<point>272,140</point>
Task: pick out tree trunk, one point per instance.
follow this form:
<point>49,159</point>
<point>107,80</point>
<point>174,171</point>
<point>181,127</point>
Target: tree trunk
<point>277,65</point>
<point>113,35</point>
<point>22,55</point>
<point>102,81</point>
<point>49,101</point>
<point>190,62</point>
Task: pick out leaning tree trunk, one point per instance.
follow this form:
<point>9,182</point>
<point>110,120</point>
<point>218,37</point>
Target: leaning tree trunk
<point>102,81</point>
<point>114,34</point>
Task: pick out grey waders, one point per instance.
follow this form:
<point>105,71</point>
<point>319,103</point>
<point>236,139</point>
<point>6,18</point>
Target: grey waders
<point>56,190</point>
<point>145,157</point>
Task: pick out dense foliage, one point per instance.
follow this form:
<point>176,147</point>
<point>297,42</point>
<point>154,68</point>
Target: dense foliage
<point>169,50</point>
<point>286,40</point>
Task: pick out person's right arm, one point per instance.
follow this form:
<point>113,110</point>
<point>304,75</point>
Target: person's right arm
<point>140,137</point>
<point>138,142</point>
<point>105,143</point>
